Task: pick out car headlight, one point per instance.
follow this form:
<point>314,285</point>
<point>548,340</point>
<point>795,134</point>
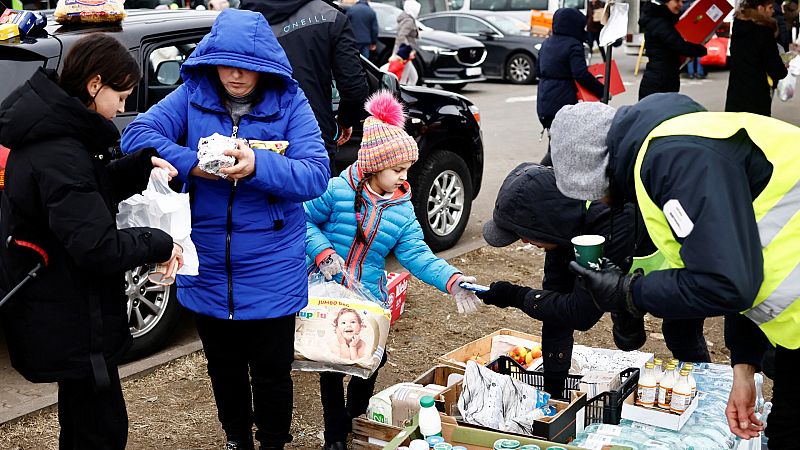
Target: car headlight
<point>538,46</point>
<point>438,50</point>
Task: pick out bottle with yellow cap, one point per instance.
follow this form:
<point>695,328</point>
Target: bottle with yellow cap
<point>665,387</point>
<point>646,392</point>
<point>681,394</point>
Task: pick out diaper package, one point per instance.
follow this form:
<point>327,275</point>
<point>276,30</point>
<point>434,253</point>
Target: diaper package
<point>89,11</point>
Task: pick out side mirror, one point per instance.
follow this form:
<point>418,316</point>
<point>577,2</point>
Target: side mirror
<point>168,72</point>
<point>489,35</point>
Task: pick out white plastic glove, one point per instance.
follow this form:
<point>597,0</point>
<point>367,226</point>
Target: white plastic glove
<point>331,265</point>
<point>466,301</point>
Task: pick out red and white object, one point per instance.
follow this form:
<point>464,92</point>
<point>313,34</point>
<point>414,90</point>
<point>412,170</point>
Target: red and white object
<point>397,287</point>
<point>717,52</point>
<point>699,22</point>
<point>599,70</point>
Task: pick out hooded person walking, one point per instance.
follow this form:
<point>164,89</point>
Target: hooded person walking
<point>249,229</point>
<point>664,47</point>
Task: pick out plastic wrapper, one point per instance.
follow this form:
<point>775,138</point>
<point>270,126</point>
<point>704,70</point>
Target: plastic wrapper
<point>343,329</point>
<point>89,11</point>
<point>161,207</point>
<point>211,154</point>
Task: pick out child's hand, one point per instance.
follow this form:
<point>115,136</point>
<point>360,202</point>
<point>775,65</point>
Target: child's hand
<point>355,341</point>
<point>331,265</point>
<point>466,301</point>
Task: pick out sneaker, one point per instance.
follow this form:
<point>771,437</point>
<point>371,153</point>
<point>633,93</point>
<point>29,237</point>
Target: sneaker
<point>338,445</point>
<point>628,331</point>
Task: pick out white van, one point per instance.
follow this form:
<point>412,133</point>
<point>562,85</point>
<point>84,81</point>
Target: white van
<point>521,9</point>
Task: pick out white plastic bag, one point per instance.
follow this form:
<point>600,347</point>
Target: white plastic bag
<point>341,330</point>
<point>161,207</point>
<point>787,86</point>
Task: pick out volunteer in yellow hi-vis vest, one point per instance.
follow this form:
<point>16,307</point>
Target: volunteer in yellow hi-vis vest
<point>720,195</point>
<point>530,208</point>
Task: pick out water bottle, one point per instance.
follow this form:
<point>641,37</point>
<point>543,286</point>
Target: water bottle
<point>767,409</point>
<point>430,424</point>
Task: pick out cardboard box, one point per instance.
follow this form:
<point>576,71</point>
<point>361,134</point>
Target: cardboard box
<point>655,416</point>
<point>397,287</point>
<point>8,31</point>
<point>599,71</point>
<point>699,22</point>
<point>481,348</point>
<point>541,23</point>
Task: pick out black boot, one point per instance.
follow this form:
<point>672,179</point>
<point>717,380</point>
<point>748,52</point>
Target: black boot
<point>628,331</point>
<point>338,445</point>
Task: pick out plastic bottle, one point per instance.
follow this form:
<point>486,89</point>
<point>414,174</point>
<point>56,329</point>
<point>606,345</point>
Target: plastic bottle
<point>658,370</point>
<point>665,388</point>
<point>646,393</point>
<point>692,381</point>
<point>430,424</point>
<point>681,394</point>
<point>418,444</point>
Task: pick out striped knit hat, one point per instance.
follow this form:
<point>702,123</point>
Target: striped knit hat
<point>385,143</point>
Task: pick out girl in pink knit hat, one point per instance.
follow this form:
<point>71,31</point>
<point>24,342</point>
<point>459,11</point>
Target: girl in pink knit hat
<point>365,214</point>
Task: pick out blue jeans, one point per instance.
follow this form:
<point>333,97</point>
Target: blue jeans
<point>364,50</point>
<point>694,67</point>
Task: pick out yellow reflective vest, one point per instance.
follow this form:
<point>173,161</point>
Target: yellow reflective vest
<point>776,308</point>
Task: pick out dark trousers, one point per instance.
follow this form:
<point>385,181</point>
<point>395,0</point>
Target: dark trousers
<point>92,420</point>
<point>782,421</point>
<point>685,339</point>
<point>250,364</point>
<point>591,38</point>
<point>337,413</point>
<point>364,50</point>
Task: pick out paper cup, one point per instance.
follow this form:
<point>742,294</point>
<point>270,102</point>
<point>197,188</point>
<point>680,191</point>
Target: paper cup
<point>588,249</point>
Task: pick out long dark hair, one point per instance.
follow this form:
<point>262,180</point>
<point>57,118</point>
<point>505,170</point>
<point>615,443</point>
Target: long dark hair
<point>98,54</point>
<point>359,201</point>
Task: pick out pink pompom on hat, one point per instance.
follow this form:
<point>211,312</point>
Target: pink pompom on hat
<point>385,143</point>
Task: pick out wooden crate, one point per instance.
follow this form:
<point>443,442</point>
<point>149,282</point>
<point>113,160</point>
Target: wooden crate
<point>481,347</point>
<point>364,429</point>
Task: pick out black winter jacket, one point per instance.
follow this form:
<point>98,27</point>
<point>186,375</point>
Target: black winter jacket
<point>754,55</point>
<point>61,191</point>
<point>319,42</point>
<point>715,182</point>
<point>561,62</point>
<point>562,304</point>
<point>664,47</point>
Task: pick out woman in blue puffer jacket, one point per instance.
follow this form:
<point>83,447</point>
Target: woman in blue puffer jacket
<point>249,229</point>
<point>365,214</point>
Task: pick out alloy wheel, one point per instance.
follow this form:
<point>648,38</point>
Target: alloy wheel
<point>445,203</point>
<point>519,69</point>
<point>147,302</point>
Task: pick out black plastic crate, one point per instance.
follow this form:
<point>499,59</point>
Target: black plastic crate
<point>607,407</point>
<point>603,408</point>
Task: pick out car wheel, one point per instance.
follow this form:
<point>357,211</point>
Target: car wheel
<point>520,69</point>
<point>454,87</point>
<point>153,313</point>
<point>444,198</point>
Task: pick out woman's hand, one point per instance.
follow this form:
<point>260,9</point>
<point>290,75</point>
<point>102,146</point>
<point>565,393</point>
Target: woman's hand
<point>164,164</point>
<point>740,412</point>
<point>177,255</point>
<point>245,162</point>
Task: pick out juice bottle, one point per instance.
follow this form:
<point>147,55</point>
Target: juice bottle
<point>659,373</point>
<point>681,394</point>
<point>665,388</point>
<point>646,393</point>
<point>692,381</point>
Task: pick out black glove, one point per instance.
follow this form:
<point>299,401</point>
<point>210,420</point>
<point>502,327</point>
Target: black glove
<point>609,286</point>
<point>504,294</point>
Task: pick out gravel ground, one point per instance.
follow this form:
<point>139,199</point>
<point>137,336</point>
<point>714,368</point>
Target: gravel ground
<point>173,407</point>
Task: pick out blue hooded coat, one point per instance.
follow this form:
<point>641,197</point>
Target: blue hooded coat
<point>562,63</point>
<point>389,226</point>
<point>249,237</point>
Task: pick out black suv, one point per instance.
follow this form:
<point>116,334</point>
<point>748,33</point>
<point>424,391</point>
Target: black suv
<point>445,180</point>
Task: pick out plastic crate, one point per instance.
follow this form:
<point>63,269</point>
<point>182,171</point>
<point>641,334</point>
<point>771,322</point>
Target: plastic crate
<point>603,408</point>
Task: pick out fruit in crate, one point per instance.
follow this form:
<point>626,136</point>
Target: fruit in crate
<point>525,356</point>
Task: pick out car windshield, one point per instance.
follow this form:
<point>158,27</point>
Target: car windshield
<point>387,16</point>
<point>14,73</point>
<point>508,25</point>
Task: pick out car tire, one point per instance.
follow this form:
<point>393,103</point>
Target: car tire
<point>454,87</point>
<point>443,188</point>
<point>153,313</point>
<point>521,69</point>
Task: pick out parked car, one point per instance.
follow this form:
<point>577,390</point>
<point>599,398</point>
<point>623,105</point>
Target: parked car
<point>443,58</point>
<point>445,180</point>
<point>511,50</point>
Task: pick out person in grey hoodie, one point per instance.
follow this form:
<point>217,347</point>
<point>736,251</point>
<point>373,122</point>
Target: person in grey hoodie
<point>407,31</point>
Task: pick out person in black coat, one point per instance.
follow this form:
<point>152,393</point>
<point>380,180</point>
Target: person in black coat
<point>320,45</point>
<point>365,26</point>
<point>69,324</point>
<point>561,63</point>
<point>530,207</point>
<point>755,59</point>
<point>664,47</point>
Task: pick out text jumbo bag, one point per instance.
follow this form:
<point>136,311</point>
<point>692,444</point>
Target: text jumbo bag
<point>341,330</point>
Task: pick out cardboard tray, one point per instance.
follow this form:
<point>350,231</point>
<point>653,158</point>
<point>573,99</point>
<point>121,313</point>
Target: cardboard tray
<point>657,417</point>
<point>481,347</point>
